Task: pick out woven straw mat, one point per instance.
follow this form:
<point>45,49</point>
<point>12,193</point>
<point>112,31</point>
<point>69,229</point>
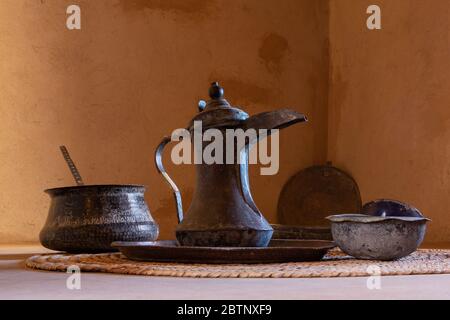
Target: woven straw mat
<point>334,264</point>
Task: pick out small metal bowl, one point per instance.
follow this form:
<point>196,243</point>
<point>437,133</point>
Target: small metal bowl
<point>377,237</point>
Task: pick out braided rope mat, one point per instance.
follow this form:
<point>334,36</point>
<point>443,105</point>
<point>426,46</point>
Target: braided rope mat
<point>334,264</point>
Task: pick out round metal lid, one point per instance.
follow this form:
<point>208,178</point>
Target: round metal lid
<point>315,193</point>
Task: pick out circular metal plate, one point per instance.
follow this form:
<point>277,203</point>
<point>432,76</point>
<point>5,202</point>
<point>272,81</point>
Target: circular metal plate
<point>278,251</point>
<point>315,193</point>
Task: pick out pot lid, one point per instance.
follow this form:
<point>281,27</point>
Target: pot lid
<point>218,112</point>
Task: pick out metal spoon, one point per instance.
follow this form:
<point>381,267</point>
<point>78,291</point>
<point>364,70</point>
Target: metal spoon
<point>73,169</point>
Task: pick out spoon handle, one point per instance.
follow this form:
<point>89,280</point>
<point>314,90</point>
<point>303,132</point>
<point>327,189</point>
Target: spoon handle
<point>72,167</point>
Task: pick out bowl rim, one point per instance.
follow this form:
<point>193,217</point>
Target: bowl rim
<point>93,186</point>
<point>364,218</point>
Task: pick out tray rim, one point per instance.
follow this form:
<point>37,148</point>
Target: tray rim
<point>149,251</point>
<point>327,244</point>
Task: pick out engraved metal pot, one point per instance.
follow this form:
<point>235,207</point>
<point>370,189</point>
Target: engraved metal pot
<point>89,218</point>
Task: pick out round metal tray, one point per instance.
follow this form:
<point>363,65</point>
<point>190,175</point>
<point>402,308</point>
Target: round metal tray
<point>277,251</point>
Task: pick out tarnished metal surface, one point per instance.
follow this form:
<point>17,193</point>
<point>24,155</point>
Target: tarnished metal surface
<point>376,237</point>
<point>315,193</point>
<point>277,251</point>
<point>222,212</point>
<point>89,218</point>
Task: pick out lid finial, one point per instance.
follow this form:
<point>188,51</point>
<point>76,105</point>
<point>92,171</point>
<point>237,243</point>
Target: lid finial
<point>216,91</point>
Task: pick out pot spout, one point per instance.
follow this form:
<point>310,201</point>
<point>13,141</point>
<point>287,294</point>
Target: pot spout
<point>277,119</point>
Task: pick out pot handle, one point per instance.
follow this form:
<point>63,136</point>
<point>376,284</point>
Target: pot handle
<point>160,167</point>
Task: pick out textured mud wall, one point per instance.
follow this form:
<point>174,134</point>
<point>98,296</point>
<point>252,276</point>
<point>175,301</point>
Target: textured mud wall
<point>389,122</point>
<point>135,72</point>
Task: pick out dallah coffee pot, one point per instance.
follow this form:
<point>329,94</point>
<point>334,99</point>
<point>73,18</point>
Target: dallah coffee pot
<point>222,212</point>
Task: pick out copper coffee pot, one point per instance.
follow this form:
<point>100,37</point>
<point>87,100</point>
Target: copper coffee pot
<point>222,212</point>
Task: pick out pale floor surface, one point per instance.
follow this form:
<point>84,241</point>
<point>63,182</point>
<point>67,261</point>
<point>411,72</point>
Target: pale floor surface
<point>17,282</point>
